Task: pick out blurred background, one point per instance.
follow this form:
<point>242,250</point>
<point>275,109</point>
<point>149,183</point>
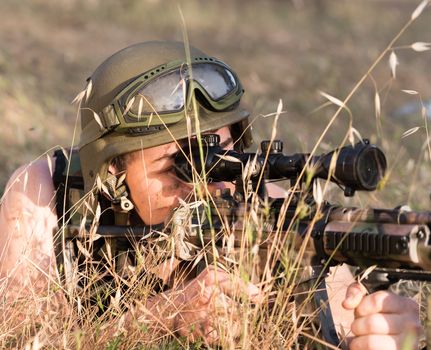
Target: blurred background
<point>281,49</point>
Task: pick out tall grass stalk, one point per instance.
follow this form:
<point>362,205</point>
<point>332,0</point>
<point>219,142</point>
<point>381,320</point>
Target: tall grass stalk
<point>90,314</point>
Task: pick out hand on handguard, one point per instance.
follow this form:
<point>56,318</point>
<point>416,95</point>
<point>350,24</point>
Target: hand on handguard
<point>383,320</point>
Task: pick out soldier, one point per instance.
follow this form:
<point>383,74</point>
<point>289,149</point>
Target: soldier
<point>133,122</point>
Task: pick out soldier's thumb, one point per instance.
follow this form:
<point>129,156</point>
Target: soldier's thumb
<point>354,294</point>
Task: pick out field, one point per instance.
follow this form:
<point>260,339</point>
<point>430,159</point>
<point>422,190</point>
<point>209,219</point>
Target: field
<point>288,50</point>
<point>295,51</point>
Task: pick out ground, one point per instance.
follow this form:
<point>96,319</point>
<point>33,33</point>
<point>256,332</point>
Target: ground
<point>288,50</point>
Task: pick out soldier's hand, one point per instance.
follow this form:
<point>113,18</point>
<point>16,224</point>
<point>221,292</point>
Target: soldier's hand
<point>383,320</point>
<point>208,305</point>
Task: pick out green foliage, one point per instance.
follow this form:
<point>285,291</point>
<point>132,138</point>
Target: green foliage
<point>115,343</point>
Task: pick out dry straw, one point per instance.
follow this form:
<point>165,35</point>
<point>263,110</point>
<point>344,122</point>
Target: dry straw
<point>39,319</point>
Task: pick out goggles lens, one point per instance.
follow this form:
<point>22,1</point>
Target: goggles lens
<point>216,80</point>
<point>166,93</point>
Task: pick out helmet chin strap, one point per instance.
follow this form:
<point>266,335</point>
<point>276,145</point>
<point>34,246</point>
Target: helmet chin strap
<point>120,202</point>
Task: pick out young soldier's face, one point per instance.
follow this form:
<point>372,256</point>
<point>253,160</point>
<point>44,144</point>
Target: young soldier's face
<point>153,184</point>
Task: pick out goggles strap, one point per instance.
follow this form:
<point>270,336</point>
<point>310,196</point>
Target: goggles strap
<point>109,118</point>
<point>118,196</point>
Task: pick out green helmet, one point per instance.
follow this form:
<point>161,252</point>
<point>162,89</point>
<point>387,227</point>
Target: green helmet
<point>139,98</point>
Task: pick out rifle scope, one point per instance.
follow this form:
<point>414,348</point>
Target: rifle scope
<point>357,167</point>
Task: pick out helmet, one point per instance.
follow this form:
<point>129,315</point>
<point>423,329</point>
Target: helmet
<point>140,97</point>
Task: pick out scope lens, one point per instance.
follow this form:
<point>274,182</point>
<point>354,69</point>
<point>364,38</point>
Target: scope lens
<point>371,167</point>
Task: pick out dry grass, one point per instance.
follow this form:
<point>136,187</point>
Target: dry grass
<point>280,50</point>
<point>283,49</point>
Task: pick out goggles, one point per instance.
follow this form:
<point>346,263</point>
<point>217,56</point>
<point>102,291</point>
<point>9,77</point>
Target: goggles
<point>159,97</point>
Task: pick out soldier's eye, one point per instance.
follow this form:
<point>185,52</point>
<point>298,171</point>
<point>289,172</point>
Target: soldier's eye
<point>167,169</point>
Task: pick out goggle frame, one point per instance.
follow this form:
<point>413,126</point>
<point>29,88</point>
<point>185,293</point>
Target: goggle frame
<point>117,115</point>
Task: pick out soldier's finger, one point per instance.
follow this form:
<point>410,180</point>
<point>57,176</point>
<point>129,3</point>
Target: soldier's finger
<point>222,304</point>
<point>224,323</point>
<point>385,302</point>
<point>379,324</point>
<point>372,342</point>
<point>212,336</point>
<point>237,287</point>
<point>354,295</point>
<point>232,285</point>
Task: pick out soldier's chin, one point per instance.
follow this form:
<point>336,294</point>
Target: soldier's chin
<point>154,216</point>
<point>161,213</point>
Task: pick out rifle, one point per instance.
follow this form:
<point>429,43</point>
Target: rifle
<point>395,241</point>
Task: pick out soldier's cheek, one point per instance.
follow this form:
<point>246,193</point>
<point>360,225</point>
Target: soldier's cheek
<point>169,196</point>
<point>158,193</point>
